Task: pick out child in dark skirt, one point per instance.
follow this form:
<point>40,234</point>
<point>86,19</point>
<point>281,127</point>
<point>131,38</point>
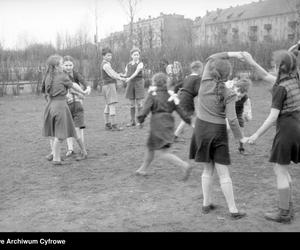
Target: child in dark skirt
<point>161,124</point>
<point>209,144</point>
<point>188,92</point>
<point>285,112</point>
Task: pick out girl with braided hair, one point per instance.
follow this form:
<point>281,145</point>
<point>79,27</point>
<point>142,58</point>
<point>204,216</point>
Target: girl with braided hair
<point>285,112</point>
<point>58,122</point>
<point>209,144</point>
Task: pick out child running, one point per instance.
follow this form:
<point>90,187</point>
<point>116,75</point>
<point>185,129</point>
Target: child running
<point>161,125</point>
<point>75,101</point>
<point>188,92</point>
<point>209,143</point>
<point>285,112</point>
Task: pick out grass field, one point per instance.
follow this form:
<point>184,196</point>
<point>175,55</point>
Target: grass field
<point>103,193</point>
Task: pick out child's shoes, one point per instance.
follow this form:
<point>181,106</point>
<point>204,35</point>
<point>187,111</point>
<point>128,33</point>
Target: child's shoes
<point>49,157</point>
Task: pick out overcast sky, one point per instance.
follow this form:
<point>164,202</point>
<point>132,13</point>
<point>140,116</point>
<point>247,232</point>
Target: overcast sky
<point>26,21</point>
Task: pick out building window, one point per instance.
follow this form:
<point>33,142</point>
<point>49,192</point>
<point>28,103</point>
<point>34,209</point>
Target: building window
<point>229,16</point>
<point>253,33</point>
<point>268,27</point>
<point>291,37</point>
<point>267,35</point>
<point>292,24</point>
<point>223,35</point>
<point>235,33</point>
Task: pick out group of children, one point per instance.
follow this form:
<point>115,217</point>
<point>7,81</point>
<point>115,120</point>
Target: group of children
<point>221,104</point>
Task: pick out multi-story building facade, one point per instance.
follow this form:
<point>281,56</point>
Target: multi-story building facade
<point>268,20</point>
<point>153,32</point>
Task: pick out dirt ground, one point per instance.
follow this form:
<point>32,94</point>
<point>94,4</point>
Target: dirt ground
<point>102,194</point>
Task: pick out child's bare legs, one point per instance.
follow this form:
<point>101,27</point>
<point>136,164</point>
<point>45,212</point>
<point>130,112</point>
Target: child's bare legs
<point>179,128</point>
<point>147,161</point>
<point>166,154</point>
<point>139,104</point>
<point>81,146</point>
<point>226,186</point>
<point>207,180</point>
<point>70,140</point>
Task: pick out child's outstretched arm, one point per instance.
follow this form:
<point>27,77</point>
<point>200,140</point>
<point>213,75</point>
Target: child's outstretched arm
<point>138,69</point>
<point>146,109</point>
<point>247,110</point>
<point>79,95</point>
<point>81,80</point>
<point>295,47</point>
<point>233,120</point>
<point>263,74</point>
<point>226,55</point>
<point>221,55</point>
<point>271,119</point>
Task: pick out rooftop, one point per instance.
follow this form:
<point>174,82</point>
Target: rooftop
<point>251,10</point>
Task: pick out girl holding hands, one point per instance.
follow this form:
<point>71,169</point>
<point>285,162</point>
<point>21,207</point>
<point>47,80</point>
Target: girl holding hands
<point>285,112</point>
<point>58,122</point>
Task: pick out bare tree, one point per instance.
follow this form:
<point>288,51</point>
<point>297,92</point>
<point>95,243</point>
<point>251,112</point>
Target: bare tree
<point>130,8</point>
<point>96,41</point>
<point>59,41</point>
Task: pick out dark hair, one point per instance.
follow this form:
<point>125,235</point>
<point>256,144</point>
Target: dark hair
<point>160,79</point>
<point>243,84</point>
<point>286,63</point>
<point>196,65</point>
<point>52,62</point>
<point>69,58</point>
<point>220,71</point>
<point>135,49</point>
<point>106,51</point>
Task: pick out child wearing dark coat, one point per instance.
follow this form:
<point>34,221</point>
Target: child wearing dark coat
<point>188,92</point>
<point>162,124</point>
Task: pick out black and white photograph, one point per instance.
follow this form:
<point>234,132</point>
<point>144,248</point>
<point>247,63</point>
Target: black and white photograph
<point>148,116</point>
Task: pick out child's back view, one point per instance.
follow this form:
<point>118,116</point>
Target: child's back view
<point>162,123</point>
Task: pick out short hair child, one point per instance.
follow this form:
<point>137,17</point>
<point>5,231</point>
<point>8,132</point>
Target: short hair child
<point>188,92</point>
